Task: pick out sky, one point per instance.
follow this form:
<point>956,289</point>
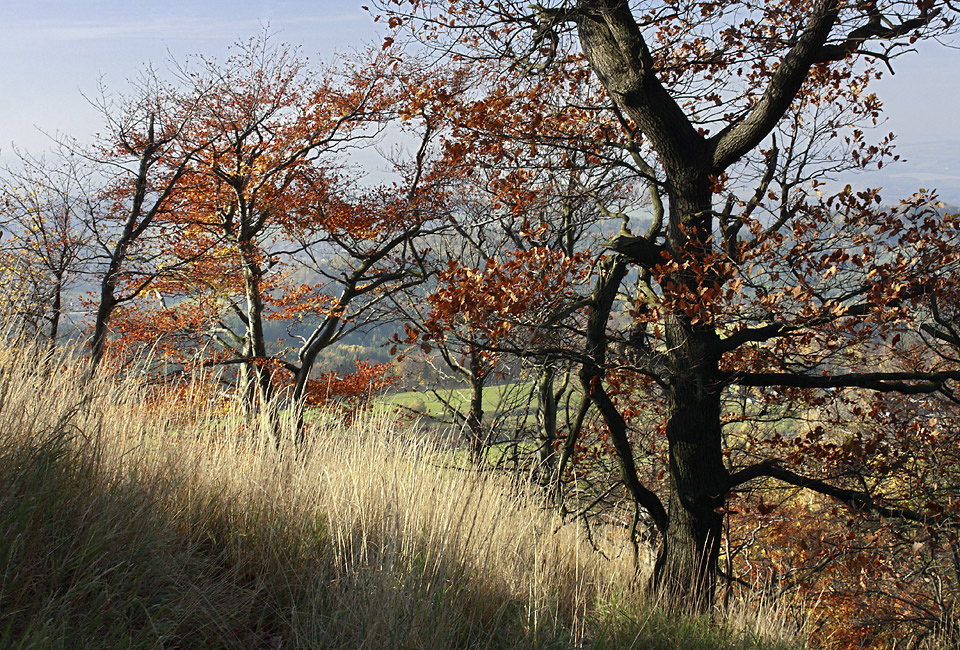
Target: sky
<point>55,52</point>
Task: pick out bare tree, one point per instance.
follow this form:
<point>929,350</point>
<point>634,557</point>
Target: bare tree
<point>45,206</point>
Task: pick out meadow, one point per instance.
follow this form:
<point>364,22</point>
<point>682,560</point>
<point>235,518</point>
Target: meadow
<point>140,517</point>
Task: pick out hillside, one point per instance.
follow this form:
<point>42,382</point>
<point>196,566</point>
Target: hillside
<point>131,517</point>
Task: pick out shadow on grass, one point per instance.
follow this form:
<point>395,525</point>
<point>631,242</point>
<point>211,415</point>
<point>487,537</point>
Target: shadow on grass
<point>93,559</point>
<point>98,559</point>
<point>118,529</point>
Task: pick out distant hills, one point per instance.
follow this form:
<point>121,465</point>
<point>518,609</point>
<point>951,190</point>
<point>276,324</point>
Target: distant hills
<point>928,165</point>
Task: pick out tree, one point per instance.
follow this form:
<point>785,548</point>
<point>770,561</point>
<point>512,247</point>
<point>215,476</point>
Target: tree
<point>719,101</point>
<point>493,277</point>
<point>272,221</point>
<point>263,125</point>
<point>533,196</point>
<point>475,313</point>
<point>139,160</point>
<point>44,208</point>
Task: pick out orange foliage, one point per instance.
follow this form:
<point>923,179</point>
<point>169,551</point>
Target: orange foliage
<point>350,392</point>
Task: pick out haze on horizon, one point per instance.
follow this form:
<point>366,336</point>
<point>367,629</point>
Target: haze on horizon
<point>56,52</point>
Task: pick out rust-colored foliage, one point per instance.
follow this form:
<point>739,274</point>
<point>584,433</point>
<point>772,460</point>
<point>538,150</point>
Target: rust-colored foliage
<point>491,302</point>
<point>775,321</point>
<point>350,392</point>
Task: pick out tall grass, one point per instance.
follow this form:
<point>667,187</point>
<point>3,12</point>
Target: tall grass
<point>125,522</point>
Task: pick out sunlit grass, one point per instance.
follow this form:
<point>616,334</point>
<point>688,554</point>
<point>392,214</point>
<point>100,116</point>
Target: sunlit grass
<point>131,524</point>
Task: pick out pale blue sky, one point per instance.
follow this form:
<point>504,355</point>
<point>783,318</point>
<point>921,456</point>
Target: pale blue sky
<point>51,51</point>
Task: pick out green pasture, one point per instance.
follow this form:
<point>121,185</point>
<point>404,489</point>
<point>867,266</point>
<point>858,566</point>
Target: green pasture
<point>511,396</point>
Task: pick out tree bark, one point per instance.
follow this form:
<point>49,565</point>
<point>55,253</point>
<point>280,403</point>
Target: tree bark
<point>547,424</point>
<point>56,309</point>
<point>108,302</point>
<point>687,565</point>
<point>478,440</point>
<point>259,380</point>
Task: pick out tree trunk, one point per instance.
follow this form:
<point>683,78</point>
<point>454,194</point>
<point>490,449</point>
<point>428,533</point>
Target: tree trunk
<point>687,564</point>
<point>55,313</point>
<point>321,337</point>
<point>478,440</point>
<point>108,302</point>
<point>547,424</point>
<point>259,385</point>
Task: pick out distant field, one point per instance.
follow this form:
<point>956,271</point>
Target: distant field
<point>512,396</point>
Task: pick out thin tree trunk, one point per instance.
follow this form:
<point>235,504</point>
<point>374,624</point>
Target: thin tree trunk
<point>478,440</point>
<point>55,309</point>
<point>321,337</point>
<point>256,342</point>
<point>547,424</point>
<point>108,302</point>
<point>258,387</point>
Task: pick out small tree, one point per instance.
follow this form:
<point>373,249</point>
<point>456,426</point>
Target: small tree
<point>272,222</point>
<point>44,208</point>
<point>140,159</point>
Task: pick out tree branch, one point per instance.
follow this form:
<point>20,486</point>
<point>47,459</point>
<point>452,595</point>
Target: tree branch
<point>907,383</point>
<point>637,249</point>
<point>860,501</point>
<point>736,140</point>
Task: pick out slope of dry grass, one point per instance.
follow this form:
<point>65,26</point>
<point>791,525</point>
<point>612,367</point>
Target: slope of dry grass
<point>174,525</point>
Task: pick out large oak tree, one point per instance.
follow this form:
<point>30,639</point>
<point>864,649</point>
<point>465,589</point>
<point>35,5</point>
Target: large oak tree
<point>735,113</point>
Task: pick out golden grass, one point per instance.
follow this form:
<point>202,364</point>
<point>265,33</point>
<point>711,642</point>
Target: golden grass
<point>122,526</point>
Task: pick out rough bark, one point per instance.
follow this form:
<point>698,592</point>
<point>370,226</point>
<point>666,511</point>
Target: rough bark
<point>688,561</point>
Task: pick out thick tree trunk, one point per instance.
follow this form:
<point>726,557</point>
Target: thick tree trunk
<point>614,44</point>
<point>687,564</point>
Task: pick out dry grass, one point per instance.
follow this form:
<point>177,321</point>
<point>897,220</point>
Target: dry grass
<point>121,527</point>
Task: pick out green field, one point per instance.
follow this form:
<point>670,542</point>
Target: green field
<point>512,397</point>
